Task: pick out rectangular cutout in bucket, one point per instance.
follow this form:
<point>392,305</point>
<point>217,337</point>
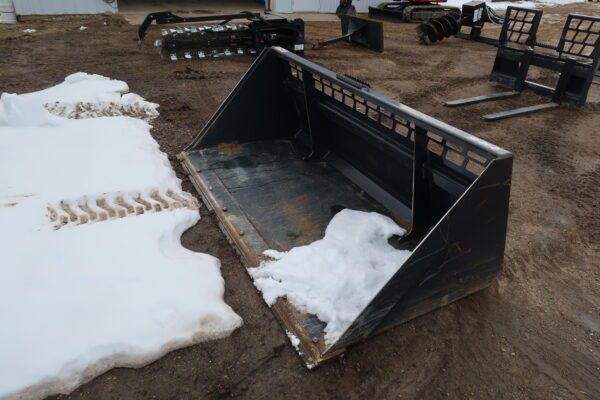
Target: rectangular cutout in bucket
<point>294,141</point>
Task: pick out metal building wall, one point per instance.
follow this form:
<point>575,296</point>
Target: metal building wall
<point>50,7</point>
<point>326,6</point>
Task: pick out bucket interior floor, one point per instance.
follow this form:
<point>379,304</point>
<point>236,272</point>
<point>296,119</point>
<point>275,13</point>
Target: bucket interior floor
<point>287,200</point>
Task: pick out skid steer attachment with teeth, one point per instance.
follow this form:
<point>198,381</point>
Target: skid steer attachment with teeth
<point>223,38</point>
<point>294,142</point>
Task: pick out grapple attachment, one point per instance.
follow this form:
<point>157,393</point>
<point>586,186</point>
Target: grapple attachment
<point>294,142</point>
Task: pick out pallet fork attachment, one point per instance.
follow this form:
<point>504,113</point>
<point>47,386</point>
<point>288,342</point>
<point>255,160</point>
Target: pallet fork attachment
<point>294,142</point>
<point>577,59</point>
<point>359,31</point>
<point>481,99</point>
<point>513,56</point>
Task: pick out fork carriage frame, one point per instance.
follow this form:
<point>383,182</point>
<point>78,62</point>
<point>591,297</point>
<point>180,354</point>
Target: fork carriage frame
<point>576,58</point>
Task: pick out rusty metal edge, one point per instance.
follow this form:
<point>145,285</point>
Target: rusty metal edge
<point>313,354</point>
<point>248,258</point>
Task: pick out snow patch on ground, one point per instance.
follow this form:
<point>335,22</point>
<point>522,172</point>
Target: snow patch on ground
<point>335,277</point>
<point>84,95</point>
<point>29,30</point>
<point>78,301</point>
<point>502,5</point>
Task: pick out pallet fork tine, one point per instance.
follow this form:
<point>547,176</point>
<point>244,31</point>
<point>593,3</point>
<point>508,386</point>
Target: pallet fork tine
<point>519,111</point>
<point>480,99</point>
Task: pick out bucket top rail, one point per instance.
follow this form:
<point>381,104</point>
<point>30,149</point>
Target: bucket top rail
<point>390,106</point>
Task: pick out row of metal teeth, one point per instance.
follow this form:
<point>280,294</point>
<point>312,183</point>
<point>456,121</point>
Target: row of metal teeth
<point>103,208</point>
<point>178,30</point>
<point>188,55</point>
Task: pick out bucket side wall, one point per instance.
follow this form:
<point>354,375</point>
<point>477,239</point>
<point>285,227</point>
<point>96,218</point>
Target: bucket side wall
<point>462,254</point>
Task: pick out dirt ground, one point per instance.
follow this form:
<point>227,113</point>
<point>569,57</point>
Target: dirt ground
<point>535,334</point>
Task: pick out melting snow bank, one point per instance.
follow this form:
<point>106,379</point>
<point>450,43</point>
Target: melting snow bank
<point>104,290</point>
<point>336,277</point>
<point>83,95</point>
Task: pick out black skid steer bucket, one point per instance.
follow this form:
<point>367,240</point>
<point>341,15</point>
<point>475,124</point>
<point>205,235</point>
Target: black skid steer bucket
<point>294,142</point>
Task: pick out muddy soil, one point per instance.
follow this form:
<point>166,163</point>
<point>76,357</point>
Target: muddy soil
<point>535,334</point>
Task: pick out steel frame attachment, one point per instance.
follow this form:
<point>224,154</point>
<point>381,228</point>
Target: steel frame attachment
<point>576,58</point>
<point>223,37</point>
<point>359,31</point>
<point>521,26</point>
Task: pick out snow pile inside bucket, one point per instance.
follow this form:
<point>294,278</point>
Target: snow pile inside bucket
<point>336,277</point>
<point>77,301</point>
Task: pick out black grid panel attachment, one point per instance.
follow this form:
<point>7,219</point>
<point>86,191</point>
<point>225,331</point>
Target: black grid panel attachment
<point>452,154</point>
<point>580,37</point>
<point>520,26</point>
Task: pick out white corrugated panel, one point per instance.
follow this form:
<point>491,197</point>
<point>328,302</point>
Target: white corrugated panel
<point>52,7</point>
<point>362,6</point>
<point>325,6</point>
<point>328,6</point>
<point>282,6</point>
<point>305,5</point>
<point>7,12</point>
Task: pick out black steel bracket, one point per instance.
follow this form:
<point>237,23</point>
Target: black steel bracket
<point>359,31</point>
<point>167,17</point>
